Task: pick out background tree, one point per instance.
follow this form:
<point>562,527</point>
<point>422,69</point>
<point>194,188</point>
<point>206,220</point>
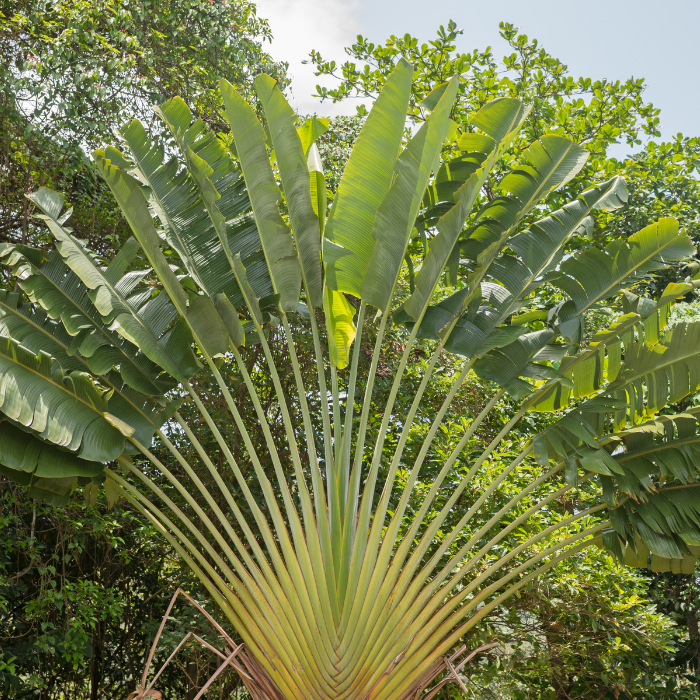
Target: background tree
<point>71,72</point>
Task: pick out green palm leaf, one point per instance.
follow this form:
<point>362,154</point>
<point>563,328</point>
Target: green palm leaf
<point>264,194</point>
<point>62,296</point>
<point>348,240</point>
<point>67,409</point>
<point>146,320</point>
<point>296,181</point>
<point>36,331</point>
<point>185,206</point>
<point>397,213</point>
<point>538,251</point>
<point>500,120</point>
<point>51,473</point>
<point>652,377</point>
<point>596,275</point>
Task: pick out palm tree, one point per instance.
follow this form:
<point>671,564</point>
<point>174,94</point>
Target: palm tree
<point>334,590</point>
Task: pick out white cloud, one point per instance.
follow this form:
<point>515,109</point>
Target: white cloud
<point>298,26</point>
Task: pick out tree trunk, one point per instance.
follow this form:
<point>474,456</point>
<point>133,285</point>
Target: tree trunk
<point>96,664</point>
<point>694,637</point>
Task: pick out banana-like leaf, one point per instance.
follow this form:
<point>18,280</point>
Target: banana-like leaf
<point>209,328</point>
<point>636,554</point>
<point>507,365</point>
<point>333,596</point>
<point>67,409</point>
<point>590,369</point>
<point>550,163</point>
<point>132,202</point>
<point>634,461</point>
<point>667,522</point>
<point>341,329</point>
<point>393,224</point>
<point>661,451</point>
<point>630,262</point>
<point>501,121</point>
<point>310,131</point>
<point>595,275</point>
<point>368,175</point>
<point>36,331</point>
<point>294,173</point>
<point>55,492</point>
<point>145,319</point>
<point>199,314</point>
<point>32,327</point>
<point>229,315</point>
<point>654,376</point>
<point>205,201</point>
<point>539,250</point>
<point>601,362</point>
<point>24,452</point>
<point>572,433</point>
<point>264,194</point>
<point>58,291</point>
<point>655,314</point>
<point>397,213</point>
<point>471,333</point>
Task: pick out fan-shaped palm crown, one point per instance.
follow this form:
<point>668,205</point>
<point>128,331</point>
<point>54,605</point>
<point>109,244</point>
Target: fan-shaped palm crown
<point>335,590</point>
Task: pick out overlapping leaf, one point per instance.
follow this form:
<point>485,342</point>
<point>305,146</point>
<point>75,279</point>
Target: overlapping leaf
<point>201,209</point>
<point>508,365</point>
<point>146,319</point>
<point>275,236</point>
<point>549,163</point>
<point>51,473</point>
<point>595,275</point>
<point>666,523</point>
<point>654,376</point>
<point>34,329</point>
<point>52,285</point>
<point>64,408</point>
<point>297,183</point>
<point>500,120</point>
<point>348,241</point>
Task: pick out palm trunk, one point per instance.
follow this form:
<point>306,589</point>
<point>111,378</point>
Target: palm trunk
<point>96,664</point>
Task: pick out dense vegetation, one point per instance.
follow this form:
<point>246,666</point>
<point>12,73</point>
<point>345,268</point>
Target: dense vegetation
<point>84,588</point>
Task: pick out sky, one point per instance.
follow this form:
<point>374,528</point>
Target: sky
<point>613,39</point>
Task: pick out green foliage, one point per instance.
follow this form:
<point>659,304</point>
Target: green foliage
<point>595,114</point>
<point>662,181</point>
<point>584,630</point>
<point>73,586</point>
<point>325,571</point>
<point>75,68</point>
<point>30,159</point>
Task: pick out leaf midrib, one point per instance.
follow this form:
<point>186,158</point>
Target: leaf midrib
<point>658,448</point>
<point>632,270</point>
